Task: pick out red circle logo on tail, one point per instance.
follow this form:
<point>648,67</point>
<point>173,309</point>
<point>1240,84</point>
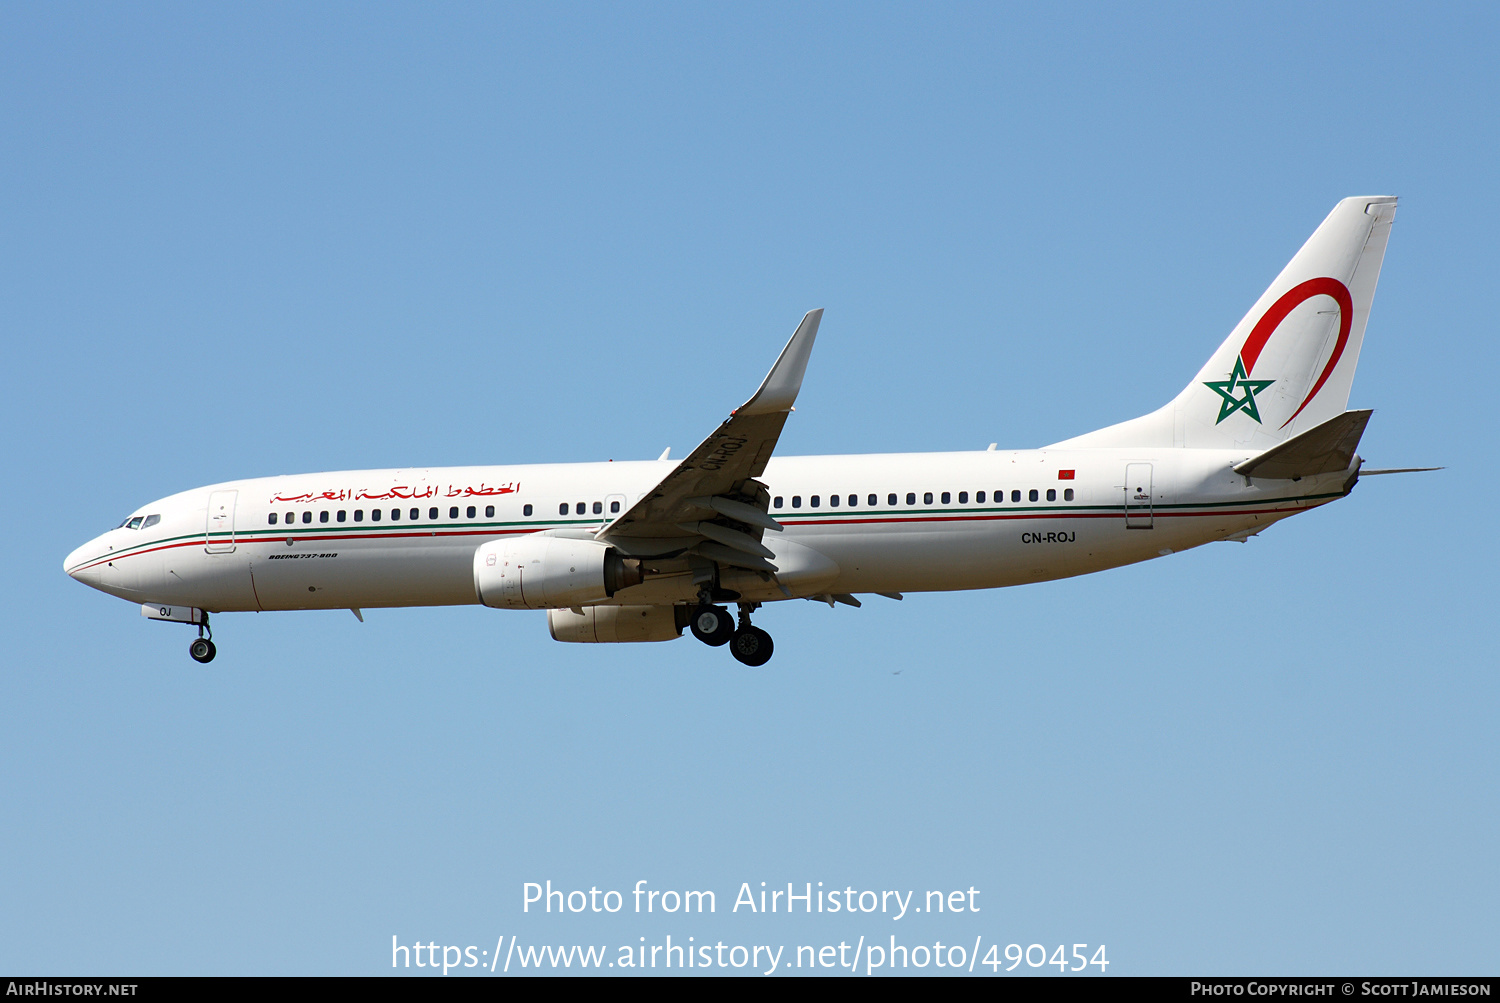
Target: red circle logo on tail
<point>1288,302</point>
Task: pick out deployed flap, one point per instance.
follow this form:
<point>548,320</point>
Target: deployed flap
<point>1323,449</point>
<point>724,466</point>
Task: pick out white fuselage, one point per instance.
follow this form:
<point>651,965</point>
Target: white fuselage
<point>908,522</point>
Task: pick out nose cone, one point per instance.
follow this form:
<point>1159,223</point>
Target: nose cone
<point>85,564</point>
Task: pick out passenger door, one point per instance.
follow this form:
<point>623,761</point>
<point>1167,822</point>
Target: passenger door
<point>218,536</point>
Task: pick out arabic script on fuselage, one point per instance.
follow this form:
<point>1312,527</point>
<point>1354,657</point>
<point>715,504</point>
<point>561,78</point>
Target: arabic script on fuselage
<point>401,492</point>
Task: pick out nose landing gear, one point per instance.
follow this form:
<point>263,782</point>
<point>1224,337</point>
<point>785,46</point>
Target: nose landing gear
<point>203,650</point>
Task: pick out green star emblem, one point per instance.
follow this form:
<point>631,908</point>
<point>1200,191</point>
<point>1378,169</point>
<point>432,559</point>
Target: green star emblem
<point>1237,381</point>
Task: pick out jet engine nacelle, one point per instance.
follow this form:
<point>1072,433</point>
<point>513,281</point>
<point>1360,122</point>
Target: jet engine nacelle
<point>543,572</point>
<point>618,624</point>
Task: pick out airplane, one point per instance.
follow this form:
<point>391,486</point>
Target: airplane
<point>639,551</point>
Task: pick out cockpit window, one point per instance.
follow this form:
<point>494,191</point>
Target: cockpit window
<point>151,520</point>
<point>135,523</point>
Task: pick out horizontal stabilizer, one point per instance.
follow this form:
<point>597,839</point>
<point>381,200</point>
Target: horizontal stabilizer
<point>1322,449</point>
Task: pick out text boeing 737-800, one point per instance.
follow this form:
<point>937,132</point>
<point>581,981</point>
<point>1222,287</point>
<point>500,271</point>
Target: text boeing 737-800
<point>638,551</point>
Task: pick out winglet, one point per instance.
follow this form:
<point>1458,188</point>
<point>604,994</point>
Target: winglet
<point>779,391</point>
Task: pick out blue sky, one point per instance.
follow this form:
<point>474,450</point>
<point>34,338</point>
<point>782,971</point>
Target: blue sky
<point>247,241</point>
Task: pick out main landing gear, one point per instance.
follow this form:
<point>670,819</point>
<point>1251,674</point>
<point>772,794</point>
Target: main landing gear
<point>712,625</point>
<point>203,650</point>
<point>747,643</point>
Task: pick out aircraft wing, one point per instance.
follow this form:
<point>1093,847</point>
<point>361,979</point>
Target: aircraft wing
<point>711,503</point>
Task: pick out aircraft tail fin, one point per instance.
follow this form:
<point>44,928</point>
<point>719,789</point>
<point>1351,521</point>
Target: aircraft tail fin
<point>1287,367</point>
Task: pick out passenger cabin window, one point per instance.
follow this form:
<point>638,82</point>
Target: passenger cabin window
<point>395,515</point>
<point>815,501</point>
<point>927,498</point>
<point>978,497</point>
<point>562,509</point>
<point>1015,496</point>
<point>272,518</point>
<point>947,498</point>
<point>1067,494</point>
<point>872,500</point>
<point>833,501</point>
<point>359,515</point>
<point>776,502</point>
<point>1033,495</point>
<point>471,510</point>
<point>432,513</point>
<point>598,508</point>
<point>453,512</point>
<point>963,497</point>
<point>307,516</point>
<point>911,498</point>
<point>1052,494</point>
<point>489,511</point>
<point>374,515</point>
<point>796,501</point>
<point>578,508</point>
<point>524,511</point>
<point>416,514</point>
<point>341,515</point>
<point>614,506</point>
<point>323,516</point>
<point>291,517</point>
<point>890,499</point>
